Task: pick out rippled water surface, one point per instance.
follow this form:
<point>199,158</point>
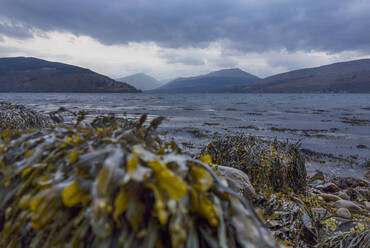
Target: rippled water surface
<point>328,123</point>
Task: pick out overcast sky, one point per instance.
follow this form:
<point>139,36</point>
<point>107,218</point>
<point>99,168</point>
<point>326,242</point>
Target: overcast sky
<point>171,38</point>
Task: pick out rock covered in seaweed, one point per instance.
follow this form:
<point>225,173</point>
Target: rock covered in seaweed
<point>297,215</point>
<point>14,116</point>
<point>270,166</point>
<point>109,186</point>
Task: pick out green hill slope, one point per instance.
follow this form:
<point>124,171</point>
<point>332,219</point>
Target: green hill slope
<point>21,74</point>
<point>351,77</point>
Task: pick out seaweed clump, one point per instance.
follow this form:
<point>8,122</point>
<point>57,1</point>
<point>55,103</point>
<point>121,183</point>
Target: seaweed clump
<point>14,116</point>
<point>271,166</point>
<point>297,215</point>
<point>278,173</point>
<point>102,185</point>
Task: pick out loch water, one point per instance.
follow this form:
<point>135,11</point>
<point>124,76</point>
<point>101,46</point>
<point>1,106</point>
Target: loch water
<point>337,124</point>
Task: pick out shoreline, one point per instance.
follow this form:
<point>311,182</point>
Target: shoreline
<point>269,176</point>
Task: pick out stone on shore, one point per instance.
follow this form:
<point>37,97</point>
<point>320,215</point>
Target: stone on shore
<point>352,207</point>
<point>344,196</point>
<point>330,197</point>
<point>344,213</point>
<point>237,181</point>
<point>328,187</point>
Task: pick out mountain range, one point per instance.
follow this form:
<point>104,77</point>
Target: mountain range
<point>141,81</point>
<point>344,77</point>
<point>215,82</point>
<point>26,74</point>
<point>352,77</point>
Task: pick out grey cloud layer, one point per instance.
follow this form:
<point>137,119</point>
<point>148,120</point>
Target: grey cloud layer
<point>259,25</point>
<point>12,30</point>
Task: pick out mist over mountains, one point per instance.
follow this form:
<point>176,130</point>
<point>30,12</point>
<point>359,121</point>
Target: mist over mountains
<point>141,81</point>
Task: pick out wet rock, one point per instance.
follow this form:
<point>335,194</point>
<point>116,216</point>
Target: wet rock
<point>350,182</point>
<point>359,194</point>
<point>367,175</point>
<point>344,213</point>
<point>345,225</point>
<point>316,183</point>
<point>319,175</point>
<point>328,187</point>
<point>314,191</point>
<point>361,146</point>
<point>330,197</point>
<point>344,196</point>
<point>238,181</point>
<point>367,205</point>
<point>319,211</point>
<point>352,207</point>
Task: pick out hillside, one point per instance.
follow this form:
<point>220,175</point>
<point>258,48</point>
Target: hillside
<point>21,74</point>
<point>141,81</point>
<point>215,82</point>
<point>351,77</point>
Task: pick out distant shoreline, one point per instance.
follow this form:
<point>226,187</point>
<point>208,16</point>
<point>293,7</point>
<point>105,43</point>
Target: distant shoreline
<point>187,93</point>
<point>110,92</point>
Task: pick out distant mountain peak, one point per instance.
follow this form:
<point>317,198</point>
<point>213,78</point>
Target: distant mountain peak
<point>225,80</point>
<point>141,81</point>
<point>232,72</point>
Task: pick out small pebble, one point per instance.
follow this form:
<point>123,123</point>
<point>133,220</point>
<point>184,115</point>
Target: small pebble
<point>321,211</point>
<point>344,196</point>
<point>367,175</point>
<point>319,175</point>
<point>328,187</point>
<point>316,183</point>
<point>367,205</point>
<point>352,207</point>
<point>330,197</point>
<point>344,213</point>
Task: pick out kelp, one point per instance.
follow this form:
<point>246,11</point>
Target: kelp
<point>104,184</point>
<point>296,214</point>
<point>271,166</point>
<point>292,218</point>
<point>347,240</point>
<point>14,116</point>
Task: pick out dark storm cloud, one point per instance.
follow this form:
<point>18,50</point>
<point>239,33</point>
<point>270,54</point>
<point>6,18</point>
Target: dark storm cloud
<point>330,25</point>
